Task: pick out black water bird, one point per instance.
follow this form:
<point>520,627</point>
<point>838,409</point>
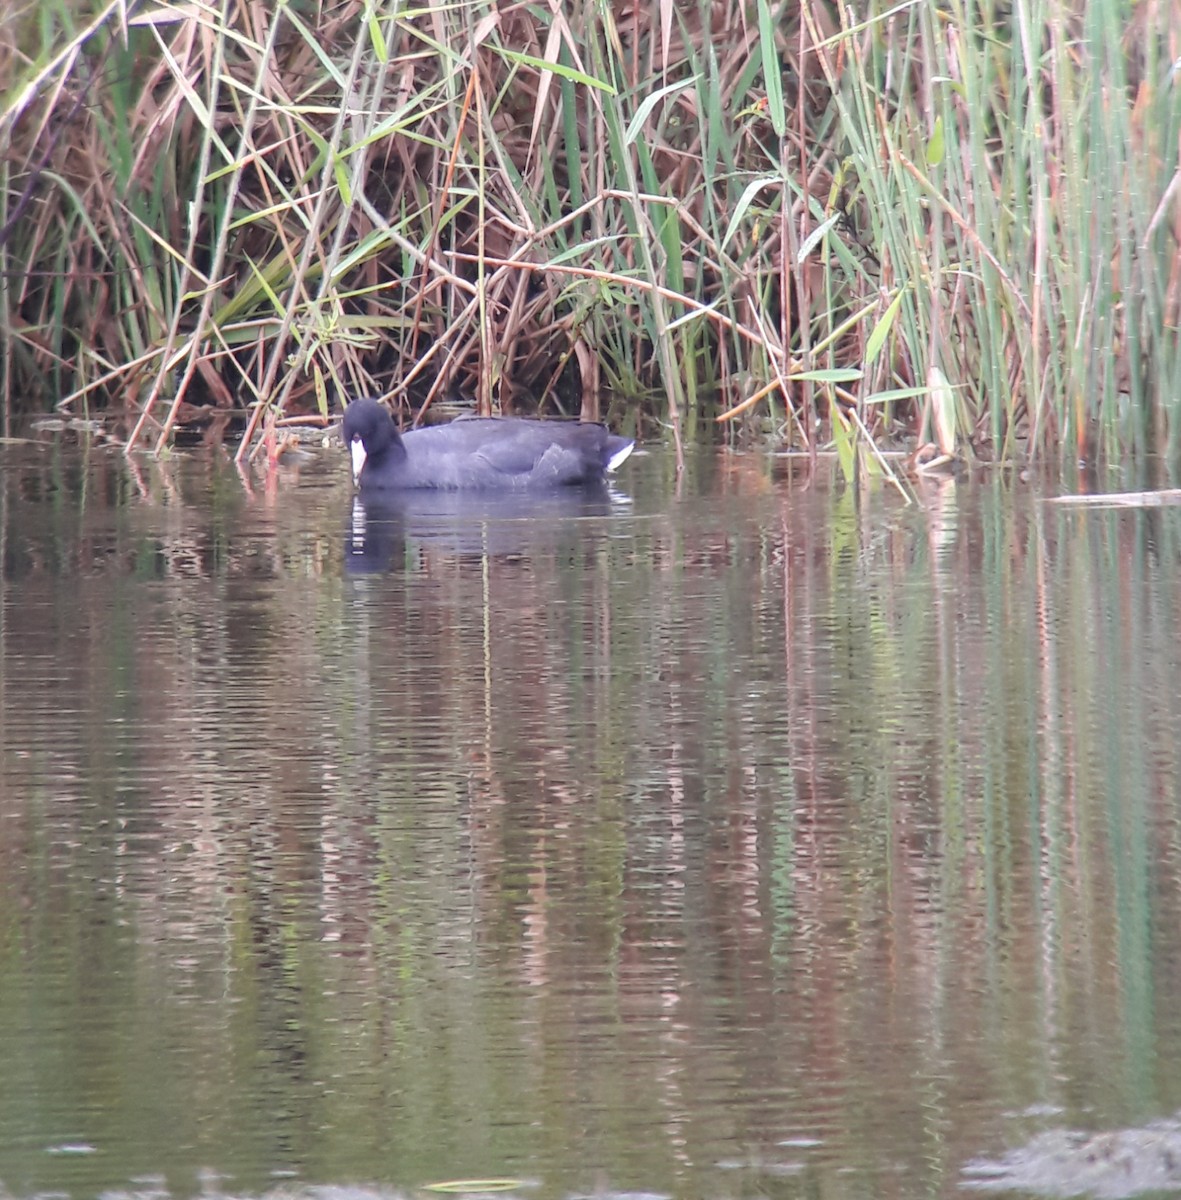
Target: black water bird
<point>478,453</point>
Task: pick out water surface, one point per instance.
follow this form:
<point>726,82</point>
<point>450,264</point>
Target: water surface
<point>734,836</point>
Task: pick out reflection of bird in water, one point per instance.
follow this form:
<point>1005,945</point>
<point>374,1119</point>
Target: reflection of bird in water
<point>384,523</point>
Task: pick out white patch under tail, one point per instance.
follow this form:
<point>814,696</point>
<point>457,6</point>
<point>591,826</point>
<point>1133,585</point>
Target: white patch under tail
<point>620,457</point>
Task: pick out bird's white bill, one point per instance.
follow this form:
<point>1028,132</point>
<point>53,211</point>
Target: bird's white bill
<point>357,450</point>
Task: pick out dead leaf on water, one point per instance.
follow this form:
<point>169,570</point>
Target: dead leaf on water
<point>453,1186</point>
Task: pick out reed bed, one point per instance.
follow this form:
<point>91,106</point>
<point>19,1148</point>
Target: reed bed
<point>914,223</point>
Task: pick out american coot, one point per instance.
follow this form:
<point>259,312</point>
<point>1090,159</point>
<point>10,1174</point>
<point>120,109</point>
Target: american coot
<point>489,453</point>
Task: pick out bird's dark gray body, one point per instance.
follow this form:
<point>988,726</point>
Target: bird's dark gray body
<point>478,453</point>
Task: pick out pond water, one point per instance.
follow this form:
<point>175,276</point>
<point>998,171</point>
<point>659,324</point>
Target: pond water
<point>735,836</point>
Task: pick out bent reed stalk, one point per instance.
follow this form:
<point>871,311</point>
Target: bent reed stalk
<point>739,210</point>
